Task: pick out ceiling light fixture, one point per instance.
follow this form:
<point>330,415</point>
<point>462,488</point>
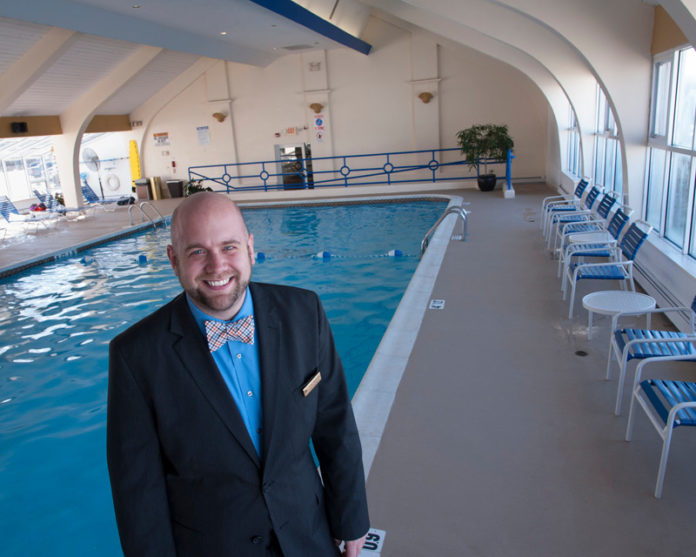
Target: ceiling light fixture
<point>223,32</point>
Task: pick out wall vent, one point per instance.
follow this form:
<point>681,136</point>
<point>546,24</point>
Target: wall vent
<point>293,47</point>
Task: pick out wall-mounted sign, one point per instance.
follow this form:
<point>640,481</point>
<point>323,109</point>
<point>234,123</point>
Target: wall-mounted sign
<point>319,128</point>
<point>203,133</point>
<point>161,138</point>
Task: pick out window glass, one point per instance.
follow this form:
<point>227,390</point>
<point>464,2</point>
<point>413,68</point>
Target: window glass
<point>607,154</point>
<point>618,175</point>
<point>692,247</point>
<point>610,163</point>
<point>600,143</point>
<point>686,100</point>
<point>661,98</point>
<point>17,185</point>
<point>573,138</point>
<point>677,198</point>
<point>3,181</point>
<point>656,183</point>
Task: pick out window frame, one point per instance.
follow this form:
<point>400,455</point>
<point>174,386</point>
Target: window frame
<point>665,143</point>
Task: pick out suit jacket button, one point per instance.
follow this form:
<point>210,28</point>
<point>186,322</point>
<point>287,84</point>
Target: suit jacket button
<point>257,539</point>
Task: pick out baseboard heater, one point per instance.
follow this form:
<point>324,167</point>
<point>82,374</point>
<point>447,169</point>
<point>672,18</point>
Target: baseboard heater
<point>663,296</point>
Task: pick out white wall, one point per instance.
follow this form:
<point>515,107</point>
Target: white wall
<point>370,105</point>
<point>180,119</point>
<point>477,89</point>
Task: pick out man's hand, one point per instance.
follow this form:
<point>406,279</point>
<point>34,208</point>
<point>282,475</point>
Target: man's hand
<point>351,548</point>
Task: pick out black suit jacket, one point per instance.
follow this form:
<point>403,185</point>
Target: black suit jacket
<point>185,477</point>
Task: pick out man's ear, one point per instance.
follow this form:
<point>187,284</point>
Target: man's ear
<point>250,247</point>
<point>171,254</point>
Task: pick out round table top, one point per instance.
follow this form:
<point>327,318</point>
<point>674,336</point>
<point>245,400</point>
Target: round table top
<point>618,301</point>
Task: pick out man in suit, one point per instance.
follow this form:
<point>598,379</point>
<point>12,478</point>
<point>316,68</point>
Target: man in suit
<point>212,402</point>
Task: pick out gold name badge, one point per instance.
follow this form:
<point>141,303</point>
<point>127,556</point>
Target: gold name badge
<point>313,382</point>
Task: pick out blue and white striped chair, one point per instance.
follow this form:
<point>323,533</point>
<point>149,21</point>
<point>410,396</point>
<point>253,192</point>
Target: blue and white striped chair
<point>668,404</point>
<point>621,268</point>
<point>25,221</point>
<point>596,221</point>
<point>555,203</point>
<point>560,218</point>
<point>592,244</point>
<point>641,344</point>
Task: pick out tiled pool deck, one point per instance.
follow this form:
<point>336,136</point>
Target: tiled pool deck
<point>501,441</point>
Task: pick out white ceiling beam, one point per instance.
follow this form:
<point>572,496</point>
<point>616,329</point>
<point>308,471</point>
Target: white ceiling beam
<point>29,67</point>
<point>93,19</point>
<point>75,119</point>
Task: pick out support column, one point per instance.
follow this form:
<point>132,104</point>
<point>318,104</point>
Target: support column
<point>425,98</point>
<point>317,107</point>
<point>75,120</point>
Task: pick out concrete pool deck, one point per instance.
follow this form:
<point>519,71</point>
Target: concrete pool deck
<point>501,441</point>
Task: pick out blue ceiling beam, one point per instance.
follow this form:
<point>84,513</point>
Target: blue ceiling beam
<point>304,17</point>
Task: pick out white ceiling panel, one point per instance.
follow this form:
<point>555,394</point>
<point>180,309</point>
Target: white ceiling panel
<point>164,68</point>
<point>87,59</point>
<point>16,37</point>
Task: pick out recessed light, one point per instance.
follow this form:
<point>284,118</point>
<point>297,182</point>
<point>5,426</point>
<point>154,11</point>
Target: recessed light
<point>223,32</point>
<point>136,6</point>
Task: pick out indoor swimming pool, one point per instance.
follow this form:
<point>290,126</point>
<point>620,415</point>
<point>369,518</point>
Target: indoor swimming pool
<point>56,321</point>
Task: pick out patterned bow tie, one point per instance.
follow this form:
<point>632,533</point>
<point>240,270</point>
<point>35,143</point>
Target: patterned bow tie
<point>219,332</point>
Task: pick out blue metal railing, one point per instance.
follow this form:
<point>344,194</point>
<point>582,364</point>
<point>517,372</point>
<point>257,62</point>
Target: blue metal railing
<point>429,165</point>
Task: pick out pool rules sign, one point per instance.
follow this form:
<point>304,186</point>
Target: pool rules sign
<point>319,128</point>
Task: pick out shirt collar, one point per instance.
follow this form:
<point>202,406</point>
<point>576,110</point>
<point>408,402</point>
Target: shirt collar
<point>201,317</point>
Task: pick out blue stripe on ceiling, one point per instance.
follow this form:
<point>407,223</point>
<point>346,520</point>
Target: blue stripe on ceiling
<point>303,16</point>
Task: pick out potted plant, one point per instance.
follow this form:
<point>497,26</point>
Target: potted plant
<point>485,143</point>
<point>194,186</point>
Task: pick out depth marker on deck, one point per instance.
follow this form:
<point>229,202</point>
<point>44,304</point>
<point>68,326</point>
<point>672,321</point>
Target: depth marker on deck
<point>373,543</point>
<point>437,304</point>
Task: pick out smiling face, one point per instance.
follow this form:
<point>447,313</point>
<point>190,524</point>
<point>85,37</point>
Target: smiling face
<point>212,253</point>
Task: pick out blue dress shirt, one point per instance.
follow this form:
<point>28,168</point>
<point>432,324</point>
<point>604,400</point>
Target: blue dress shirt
<point>238,363</point>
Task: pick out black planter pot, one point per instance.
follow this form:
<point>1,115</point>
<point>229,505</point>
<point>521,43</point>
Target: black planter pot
<point>486,182</point>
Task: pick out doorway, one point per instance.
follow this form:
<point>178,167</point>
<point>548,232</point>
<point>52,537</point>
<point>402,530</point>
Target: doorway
<point>294,166</point>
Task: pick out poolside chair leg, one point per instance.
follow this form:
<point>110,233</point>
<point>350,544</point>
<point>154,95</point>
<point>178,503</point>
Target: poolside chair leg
<point>667,436</point>
<point>572,300</point>
<point>631,416</point>
<point>609,359</point>
<point>620,387</point>
<point>561,259</point>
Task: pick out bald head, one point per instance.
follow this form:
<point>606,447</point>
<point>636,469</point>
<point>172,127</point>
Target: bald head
<point>212,253</point>
<point>200,207</point>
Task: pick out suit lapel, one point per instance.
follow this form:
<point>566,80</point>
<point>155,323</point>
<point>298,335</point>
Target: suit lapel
<point>274,382</point>
<point>192,350</point>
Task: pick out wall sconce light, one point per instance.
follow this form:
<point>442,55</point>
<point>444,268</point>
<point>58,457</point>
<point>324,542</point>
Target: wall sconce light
<point>219,116</point>
<point>316,107</point>
<point>425,97</point>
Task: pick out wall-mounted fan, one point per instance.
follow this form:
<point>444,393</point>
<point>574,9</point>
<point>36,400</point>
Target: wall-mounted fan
<point>91,160</point>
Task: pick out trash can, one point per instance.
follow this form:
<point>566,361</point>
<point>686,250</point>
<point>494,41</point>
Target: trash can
<point>176,188</point>
<point>142,188</point>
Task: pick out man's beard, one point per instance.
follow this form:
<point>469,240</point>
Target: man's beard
<point>221,302</point>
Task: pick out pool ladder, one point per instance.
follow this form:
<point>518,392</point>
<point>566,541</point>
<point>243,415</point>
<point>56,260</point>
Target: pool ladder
<point>458,210</point>
<point>144,214</point>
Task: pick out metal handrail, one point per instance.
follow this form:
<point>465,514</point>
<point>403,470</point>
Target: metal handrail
<point>148,204</point>
<point>397,167</point>
<point>145,215</point>
<point>461,211</point>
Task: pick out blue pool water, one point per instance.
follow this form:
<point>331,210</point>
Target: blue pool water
<point>56,321</point>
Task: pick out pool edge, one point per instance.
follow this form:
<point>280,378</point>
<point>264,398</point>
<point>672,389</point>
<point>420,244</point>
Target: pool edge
<point>375,395</point>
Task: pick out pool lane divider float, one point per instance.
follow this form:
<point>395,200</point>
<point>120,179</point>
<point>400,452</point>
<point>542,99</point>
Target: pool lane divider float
<point>327,255</point>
